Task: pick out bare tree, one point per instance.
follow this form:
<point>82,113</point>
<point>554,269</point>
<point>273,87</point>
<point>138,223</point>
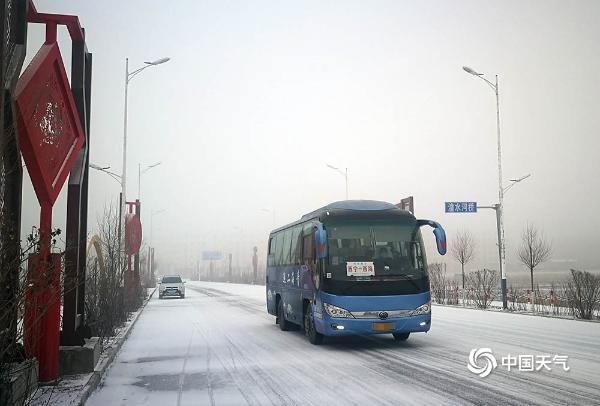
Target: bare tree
<point>534,250</point>
<point>483,283</point>
<point>105,296</point>
<point>583,294</point>
<point>437,279</point>
<point>463,250</point>
<point>13,358</point>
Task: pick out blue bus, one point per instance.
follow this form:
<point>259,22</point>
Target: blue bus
<point>351,267</point>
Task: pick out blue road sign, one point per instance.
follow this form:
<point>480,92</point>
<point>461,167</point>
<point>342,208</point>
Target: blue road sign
<point>212,255</point>
<point>461,207</point>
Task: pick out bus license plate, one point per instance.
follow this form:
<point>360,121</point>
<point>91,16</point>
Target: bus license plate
<point>383,326</point>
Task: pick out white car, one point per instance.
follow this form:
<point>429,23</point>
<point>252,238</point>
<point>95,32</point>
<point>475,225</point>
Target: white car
<point>171,285</point>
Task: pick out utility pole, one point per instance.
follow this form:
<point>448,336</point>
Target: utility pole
<point>255,266</point>
<point>500,207</point>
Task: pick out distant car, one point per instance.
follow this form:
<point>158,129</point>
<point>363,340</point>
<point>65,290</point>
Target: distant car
<point>171,286</point>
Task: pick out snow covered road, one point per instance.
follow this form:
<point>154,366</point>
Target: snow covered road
<point>218,346</point>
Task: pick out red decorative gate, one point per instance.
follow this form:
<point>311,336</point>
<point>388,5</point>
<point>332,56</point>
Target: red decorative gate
<point>52,124</point>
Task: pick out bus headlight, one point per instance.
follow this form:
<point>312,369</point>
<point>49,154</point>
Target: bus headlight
<point>423,309</point>
<point>335,311</point>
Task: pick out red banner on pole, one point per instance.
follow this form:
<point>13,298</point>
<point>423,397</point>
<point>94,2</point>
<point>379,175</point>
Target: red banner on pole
<point>133,233</point>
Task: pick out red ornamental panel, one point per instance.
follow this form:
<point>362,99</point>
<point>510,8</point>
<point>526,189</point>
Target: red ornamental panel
<point>50,133</point>
<point>133,234</point>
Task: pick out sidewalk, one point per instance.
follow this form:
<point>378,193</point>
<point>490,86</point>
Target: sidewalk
<point>75,389</point>
<point>527,310</point>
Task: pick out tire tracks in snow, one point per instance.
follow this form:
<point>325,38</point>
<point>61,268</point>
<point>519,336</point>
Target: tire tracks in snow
<point>431,369</point>
<point>182,374</point>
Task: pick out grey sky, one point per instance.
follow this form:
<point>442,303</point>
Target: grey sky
<point>259,96</point>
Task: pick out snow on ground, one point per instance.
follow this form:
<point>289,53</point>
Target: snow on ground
<point>219,346</point>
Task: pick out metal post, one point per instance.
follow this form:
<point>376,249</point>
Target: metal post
<point>500,210</point>
<point>70,311</point>
<point>255,266</point>
<point>503,280</point>
<point>75,256</point>
<point>149,268</point>
<point>230,270</point>
<point>136,257</point>
<point>49,322</point>
<point>124,171</point>
<point>85,329</point>
<point>152,265</point>
<point>500,207</point>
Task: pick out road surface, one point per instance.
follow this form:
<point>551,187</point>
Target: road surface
<point>218,346</point>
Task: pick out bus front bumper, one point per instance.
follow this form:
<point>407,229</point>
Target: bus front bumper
<point>334,326</point>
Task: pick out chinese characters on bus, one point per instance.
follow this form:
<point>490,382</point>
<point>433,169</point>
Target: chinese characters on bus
<point>360,269</point>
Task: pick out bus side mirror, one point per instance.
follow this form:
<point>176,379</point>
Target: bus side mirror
<point>438,231</point>
<point>321,242</point>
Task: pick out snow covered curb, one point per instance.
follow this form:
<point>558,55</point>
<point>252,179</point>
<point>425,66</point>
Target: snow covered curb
<point>108,357</point>
<point>76,389</point>
<point>519,312</point>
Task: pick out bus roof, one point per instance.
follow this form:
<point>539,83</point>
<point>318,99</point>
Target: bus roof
<point>351,207</point>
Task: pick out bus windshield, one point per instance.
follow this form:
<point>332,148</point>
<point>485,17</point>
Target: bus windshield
<point>379,252</point>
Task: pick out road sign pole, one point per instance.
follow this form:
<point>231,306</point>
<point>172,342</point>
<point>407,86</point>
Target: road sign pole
<point>500,244</point>
<point>500,255</point>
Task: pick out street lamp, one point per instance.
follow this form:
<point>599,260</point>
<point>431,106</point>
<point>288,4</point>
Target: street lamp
<point>140,173</point>
<point>128,77</point>
<point>515,181</point>
<point>343,173</point>
<point>501,190</point>
<point>105,169</point>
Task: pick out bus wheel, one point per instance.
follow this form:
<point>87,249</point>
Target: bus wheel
<point>284,325</point>
<point>311,332</point>
<point>401,336</point>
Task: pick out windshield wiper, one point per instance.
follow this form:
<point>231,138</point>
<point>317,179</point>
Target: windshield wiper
<point>411,280</point>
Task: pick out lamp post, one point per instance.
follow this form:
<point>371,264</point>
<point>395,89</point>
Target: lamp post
<point>500,206</point>
<point>515,181</point>
<point>128,77</point>
<point>343,173</point>
<point>105,169</point>
<point>140,173</point>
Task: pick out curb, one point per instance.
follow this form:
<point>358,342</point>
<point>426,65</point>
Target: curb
<point>520,313</point>
<point>103,365</point>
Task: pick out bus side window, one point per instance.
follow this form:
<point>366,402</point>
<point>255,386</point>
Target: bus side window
<point>296,254</point>
<point>287,246</point>
<point>308,249</point>
<point>309,257</point>
<point>271,255</point>
<point>279,249</point>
